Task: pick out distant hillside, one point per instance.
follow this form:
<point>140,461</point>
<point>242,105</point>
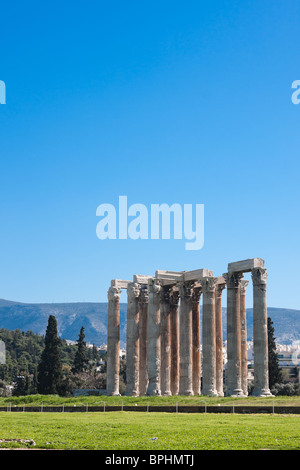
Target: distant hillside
<point>93,316</point>
<point>70,318</point>
<point>286,324</point>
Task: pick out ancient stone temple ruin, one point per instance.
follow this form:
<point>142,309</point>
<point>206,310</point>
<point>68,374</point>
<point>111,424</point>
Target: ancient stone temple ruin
<point>164,354</point>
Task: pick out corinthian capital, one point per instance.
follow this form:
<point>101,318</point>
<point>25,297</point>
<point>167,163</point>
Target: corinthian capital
<point>209,284</point>
<point>174,297</point>
<point>233,279</point>
<point>196,294</point>
<point>165,293</point>
<point>144,295</point>
<point>185,289</point>
<point>244,285</point>
<point>113,293</point>
<point>259,276</point>
<point>154,286</point>
<point>133,290</point>
<point>219,289</point>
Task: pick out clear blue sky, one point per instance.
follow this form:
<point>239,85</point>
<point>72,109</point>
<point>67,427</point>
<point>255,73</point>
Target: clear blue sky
<point>170,101</point>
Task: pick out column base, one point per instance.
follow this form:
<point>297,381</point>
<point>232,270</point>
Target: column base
<point>262,392</point>
<point>210,393</point>
<point>113,393</point>
<point>236,393</point>
<point>131,393</point>
<point>153,390</point>
<point>189,393</point>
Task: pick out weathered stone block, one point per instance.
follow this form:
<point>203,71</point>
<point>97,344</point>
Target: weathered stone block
<point>141,278</point>
<point>196,274</point>
<point>246,265</point>
<point>120,283</point>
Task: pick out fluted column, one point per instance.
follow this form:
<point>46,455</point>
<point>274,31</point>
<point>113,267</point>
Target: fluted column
<point>196,340</point>
<point>234,379</point>
<point>244,352</point>
<point>185,335</point>
<point>165,329</point>
<point>132,341</point>
<point>219,340</point>
<point>174,314</point>
<point>260,333</point>
<point>209,337</point>
<point>113,341</point>
<point>153,332</point>
<point>143,370</point>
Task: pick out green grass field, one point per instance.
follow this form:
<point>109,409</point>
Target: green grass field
<point>55,400</point>
<point>151,431</point>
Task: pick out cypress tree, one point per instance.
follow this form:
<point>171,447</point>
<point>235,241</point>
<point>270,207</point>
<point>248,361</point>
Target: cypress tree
<point>50,368</point>
<point>80,360</point>
<point>274,370</point>
<point>20,386</point>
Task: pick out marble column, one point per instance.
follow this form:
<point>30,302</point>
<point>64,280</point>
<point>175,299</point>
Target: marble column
<point>153,332</point>
<point>260,333</point>
<point>165,332</point>
<point>174,317</point>
<point>234,379</point>
<point>132,341</point>
<point>209,337</point>
<point>219,340</point>
<point>244,351</point>
<point>196,340</point>
<point>113,341</point>
<point>185,338</point>
<point>143,310</point>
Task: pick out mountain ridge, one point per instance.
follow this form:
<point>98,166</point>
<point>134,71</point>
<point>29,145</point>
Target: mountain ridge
<point>72,316</point>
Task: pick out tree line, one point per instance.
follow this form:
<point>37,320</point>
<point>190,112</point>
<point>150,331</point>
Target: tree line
<point>50,365</point>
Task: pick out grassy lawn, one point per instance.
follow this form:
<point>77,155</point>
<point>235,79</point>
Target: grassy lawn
<point>48,400</point>
<point>151,431</point>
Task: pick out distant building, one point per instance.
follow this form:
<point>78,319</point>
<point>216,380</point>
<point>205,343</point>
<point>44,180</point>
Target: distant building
<point>289,361</point>
<point>122,352</point>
